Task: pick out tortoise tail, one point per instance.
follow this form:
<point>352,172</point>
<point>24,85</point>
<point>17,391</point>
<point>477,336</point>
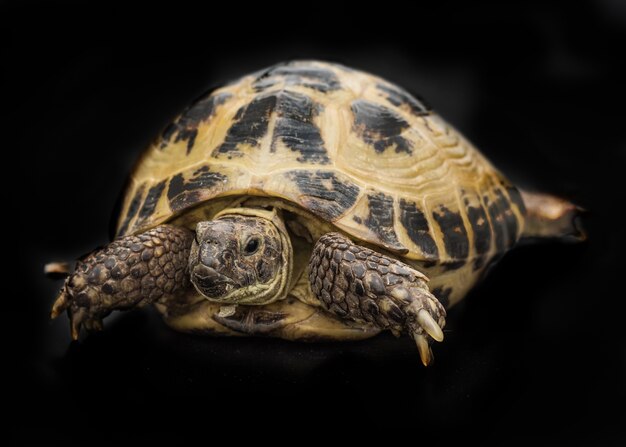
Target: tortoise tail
<point>552,217</point>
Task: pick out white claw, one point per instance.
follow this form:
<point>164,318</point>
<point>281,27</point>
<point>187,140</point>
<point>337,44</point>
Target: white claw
<point>430,326</point>
<point>60,304</point>
<point>423,348</point>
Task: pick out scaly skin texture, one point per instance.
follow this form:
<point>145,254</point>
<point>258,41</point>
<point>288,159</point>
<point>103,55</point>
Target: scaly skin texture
<point>130,272</point>
<point>360,284</point>
<point>366,289</point>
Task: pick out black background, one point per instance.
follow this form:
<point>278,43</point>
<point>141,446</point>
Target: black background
<point>535,354</point>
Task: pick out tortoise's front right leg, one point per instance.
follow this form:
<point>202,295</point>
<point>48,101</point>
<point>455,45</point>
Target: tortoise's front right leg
<point>129,272</point>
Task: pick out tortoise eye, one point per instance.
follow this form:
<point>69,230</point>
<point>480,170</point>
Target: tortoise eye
<point>251,246</point>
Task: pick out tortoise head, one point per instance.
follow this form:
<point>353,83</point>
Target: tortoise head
<point>243,256</point>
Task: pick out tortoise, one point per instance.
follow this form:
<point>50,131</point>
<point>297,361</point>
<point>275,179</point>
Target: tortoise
<point>307,201</point>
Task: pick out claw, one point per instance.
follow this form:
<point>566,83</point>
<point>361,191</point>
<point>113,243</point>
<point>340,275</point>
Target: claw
<point>424,349</point>
<point>76,318</point>
<point>61,303</point>
<point>430,325</point>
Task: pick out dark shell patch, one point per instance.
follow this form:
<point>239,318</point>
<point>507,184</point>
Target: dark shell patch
<point>132,210</point>
<point>380,126</point>
<point>380,220</point>
<point>291,74</point>
<point>416,225</point>
<point>503,221</point>
<point>509,218</point>
<point>454,234</point>
<point>401,98</point>
<point>324,194</point>
<point>516,198</point>
<point>295,127</point>
<point>482,234</point>
<point>152,198</point>
<point>481,229</point>
<point>183,193</point>
<point>251,122</point>
<point>186,126</point>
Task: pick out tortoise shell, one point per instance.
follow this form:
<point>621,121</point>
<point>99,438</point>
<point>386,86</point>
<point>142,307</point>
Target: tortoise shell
<point>351,148</point>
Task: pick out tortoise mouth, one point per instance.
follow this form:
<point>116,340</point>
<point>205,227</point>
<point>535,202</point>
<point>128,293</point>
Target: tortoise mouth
<point>210,283</point>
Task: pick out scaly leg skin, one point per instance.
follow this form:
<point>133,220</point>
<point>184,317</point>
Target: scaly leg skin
<point>362,285</point>
<point>127,273</point>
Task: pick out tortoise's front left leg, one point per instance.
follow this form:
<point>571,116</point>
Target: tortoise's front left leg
<point>129,272</point>
<point>362,285</point>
